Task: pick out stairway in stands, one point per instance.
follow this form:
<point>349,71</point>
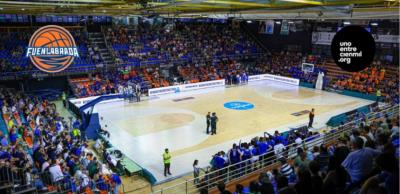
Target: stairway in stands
<point>97,38</point>
<point>253,37</point>
<point>392,71</point>
<point>334,71</point>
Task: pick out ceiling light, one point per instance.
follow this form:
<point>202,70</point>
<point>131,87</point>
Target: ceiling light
<point>374,24</point>
<point>291,22</point>
<point>249,21</point>
<point>346,23</point>
<point>23,9</point>
<point>278,22</point>
<point>104,11</point>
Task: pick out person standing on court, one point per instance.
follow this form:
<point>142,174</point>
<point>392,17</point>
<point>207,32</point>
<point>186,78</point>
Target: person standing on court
<point>208,120</point>
<point>167,162</point>
<point>196,172</point>
<point>138,92</point>
<point>64,98</point>
<point>214,120</point>
<point>311,117</point>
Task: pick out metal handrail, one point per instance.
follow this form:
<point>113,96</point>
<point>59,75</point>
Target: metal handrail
<point>239,169</point>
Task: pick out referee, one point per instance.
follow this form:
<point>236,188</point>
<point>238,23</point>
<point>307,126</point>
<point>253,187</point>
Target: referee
<point>311,117</point>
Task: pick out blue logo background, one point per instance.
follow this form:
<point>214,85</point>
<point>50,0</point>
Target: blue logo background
<point>238,105</point>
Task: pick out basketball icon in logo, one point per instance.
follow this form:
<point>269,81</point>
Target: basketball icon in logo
<point>52,49</point>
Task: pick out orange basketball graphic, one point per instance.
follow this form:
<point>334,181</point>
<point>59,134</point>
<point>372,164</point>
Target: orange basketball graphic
<point>52,49</point>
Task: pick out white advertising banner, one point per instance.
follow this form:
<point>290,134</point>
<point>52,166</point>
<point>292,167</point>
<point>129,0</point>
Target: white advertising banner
<point>277,78</point>
<point>81,101</point>
<point>185,87</point>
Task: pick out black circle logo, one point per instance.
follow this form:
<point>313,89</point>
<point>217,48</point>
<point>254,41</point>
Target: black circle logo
<point>353,48</point>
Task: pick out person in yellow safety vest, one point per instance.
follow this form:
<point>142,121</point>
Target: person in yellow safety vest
<point>167,162</point>
<point>378,95</point>
<point>11,123</point>
<point>76,133</point>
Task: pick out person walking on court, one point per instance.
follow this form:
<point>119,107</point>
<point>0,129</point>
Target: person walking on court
<point>167,162</point>
<point>311,117</point>
<point>214,120</point>
<point>208,120</point>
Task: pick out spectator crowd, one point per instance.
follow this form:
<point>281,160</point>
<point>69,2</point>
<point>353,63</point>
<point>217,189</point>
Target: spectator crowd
<point>362,160</point>
<point>42,150</point>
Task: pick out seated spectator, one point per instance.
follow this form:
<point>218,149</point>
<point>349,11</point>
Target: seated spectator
<point>301,161</point>
<point>287,170</point>
<point>55,171</point>
<point>323,158</point>
<point>221,188</point>
<point>316,179</point>
<point>264,184</point>
<point>359,162</point>
<point>389,176</point>
<point>254,188</point>
<point>304,183</point>
<point>239,189</point>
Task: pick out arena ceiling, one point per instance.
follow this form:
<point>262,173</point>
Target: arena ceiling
<point>247,9</point>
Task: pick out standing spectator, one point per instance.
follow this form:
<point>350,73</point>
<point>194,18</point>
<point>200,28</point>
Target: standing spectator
<point>279,148</point>
<point>115,183</point>
<point>234,154</point>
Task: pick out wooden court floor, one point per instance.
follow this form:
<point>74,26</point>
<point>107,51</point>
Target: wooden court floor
<point>177,121</point>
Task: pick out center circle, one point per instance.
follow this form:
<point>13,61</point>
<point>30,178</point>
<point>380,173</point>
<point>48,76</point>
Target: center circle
<point>239,105</point>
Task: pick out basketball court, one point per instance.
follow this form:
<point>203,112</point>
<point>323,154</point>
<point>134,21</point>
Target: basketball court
<point>177,121</point>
